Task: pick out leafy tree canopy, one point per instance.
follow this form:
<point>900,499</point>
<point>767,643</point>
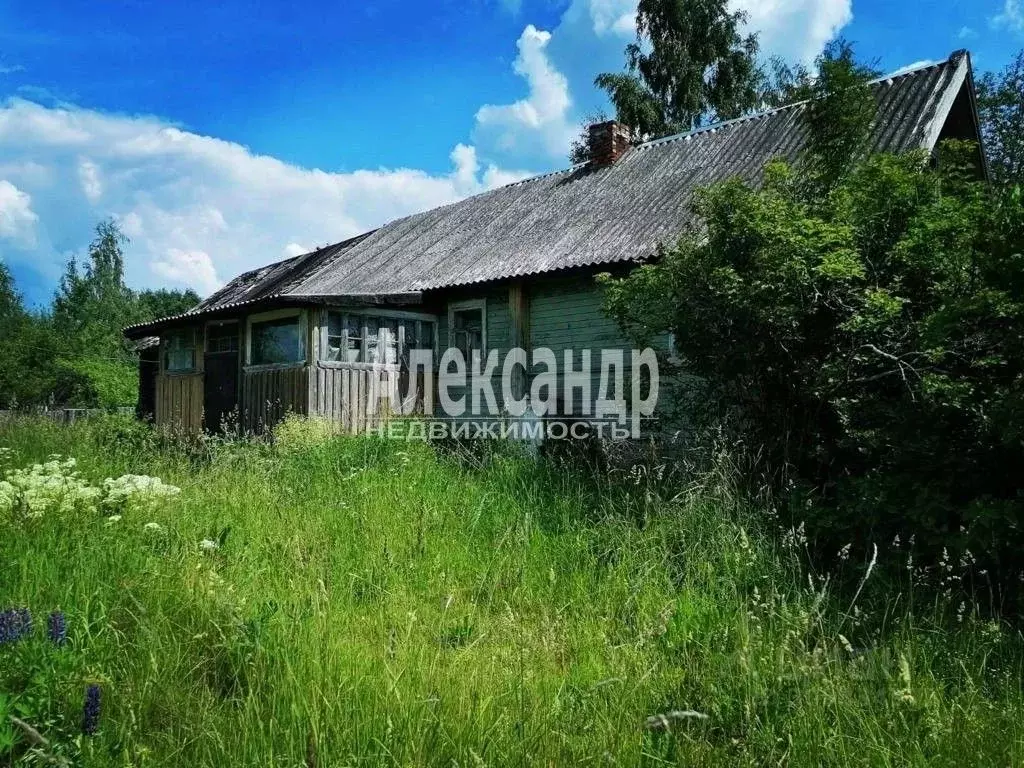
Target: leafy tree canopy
<point>860,318</point>
<point>1001,107</point>
<point>690,63</point>
<point>74,354</point>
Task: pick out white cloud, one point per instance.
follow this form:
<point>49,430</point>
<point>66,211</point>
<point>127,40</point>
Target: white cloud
<point>294,249</point>
<point>796,30</point>
<point>966,33</point>
<point>196,209</point>
<point>910,67</point>
<point>89,177</point>
<point>193,268</point>
<point>616,17</point>
<point>1012,16</point>
<point>589,39</point>
<point>199,209</point>
<point>17,219</point>
<point>543,116</point>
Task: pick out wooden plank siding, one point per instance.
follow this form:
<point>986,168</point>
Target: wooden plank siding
<point>560,314</point>
<point>269,394</point>
<point>566,314</point>
<point>179,402</point>
<point>354,398</point>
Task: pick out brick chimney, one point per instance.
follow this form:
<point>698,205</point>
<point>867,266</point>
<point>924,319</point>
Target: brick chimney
<point>607,142</point>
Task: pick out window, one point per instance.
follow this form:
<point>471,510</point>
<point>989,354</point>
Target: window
<point>367,338</point>
<point>180,351</point>
<point>221,338</point>
<point>467,327</point>
<point>277,341</point>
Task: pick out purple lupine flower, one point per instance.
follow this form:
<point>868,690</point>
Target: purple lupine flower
<point>24,623</point>
<point>7,619</point>
<point>58,628</point>
<point>91,710</point>
<point>15,623</point>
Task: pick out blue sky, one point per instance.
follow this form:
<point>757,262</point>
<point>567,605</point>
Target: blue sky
<point>228,135</point>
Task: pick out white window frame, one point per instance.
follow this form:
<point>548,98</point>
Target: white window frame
<point>219,324</point>
<point>380,314</point>
<point>278,314</point>
<point>459,306</point>
<point>164,349</point>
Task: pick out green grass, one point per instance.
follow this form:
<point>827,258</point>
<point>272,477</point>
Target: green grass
<point>374,604</point>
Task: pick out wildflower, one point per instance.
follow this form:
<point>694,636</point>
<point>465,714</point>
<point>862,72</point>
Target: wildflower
<point>209,545</point>
<point>138,490</point>
<point>58,628</point>
<point>154,527</point>
<point>844,553</point>
<point>113,519</point>
<point>24,622</point>
<point>91,710</point>
<point>846,644</point>
<point>15,623</point>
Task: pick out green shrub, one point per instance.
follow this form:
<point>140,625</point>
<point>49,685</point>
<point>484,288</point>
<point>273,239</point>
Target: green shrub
<point>869,339</point>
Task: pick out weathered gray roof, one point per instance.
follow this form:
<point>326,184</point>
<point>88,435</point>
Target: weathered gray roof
<point>581,217</point>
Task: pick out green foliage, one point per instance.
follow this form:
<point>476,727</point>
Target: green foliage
<point>838,116</point>
<point>862,321</point>
<point>366,602</point>
<point>690,64</point>
<point>1001,108</point>
<point>74,355</point>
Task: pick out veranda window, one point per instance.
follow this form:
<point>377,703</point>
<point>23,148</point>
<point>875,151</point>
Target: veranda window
<point>277,341</point>
<point>369,338</point>
<point>180,351</point>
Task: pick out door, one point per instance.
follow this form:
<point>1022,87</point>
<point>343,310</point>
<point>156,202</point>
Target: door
<point>220,390</point>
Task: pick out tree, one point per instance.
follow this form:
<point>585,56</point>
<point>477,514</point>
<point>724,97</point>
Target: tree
<point>12,316</point>
<point>153,304</point>
<point>1001,108</point>
<point>862,320</point>
<point>839,114</point>
<point>690,64</point>
<point>75,353</point>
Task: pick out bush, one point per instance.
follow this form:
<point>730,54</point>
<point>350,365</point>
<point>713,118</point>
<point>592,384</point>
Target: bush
<point>869,338</point>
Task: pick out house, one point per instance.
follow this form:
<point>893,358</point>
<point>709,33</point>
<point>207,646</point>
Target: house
<point>324,333</point>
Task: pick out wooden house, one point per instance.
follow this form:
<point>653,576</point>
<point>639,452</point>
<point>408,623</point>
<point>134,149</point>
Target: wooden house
<point>323,333</point>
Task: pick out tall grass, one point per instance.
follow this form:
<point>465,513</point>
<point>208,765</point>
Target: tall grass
<point>372,603</point>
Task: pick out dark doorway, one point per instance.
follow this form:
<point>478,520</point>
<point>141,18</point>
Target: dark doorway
<point>220,396</point>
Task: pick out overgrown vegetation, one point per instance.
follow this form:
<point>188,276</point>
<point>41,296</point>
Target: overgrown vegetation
<point>73,354</point>
<point>859,319</point>
<point>352,601</point>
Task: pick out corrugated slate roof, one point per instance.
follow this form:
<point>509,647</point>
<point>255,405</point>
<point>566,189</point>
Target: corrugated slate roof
<point>582,216</point>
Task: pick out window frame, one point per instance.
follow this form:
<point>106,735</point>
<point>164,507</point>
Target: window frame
<point>221,324</point>
<point>461,306</point>
<point>279,314</point>
<point>382,316</point>
<point>165,349</point>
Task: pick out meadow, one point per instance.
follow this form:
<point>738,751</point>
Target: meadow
<point>355,602</point>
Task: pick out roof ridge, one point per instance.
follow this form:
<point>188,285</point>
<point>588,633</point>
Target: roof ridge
<point>954,58</point>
